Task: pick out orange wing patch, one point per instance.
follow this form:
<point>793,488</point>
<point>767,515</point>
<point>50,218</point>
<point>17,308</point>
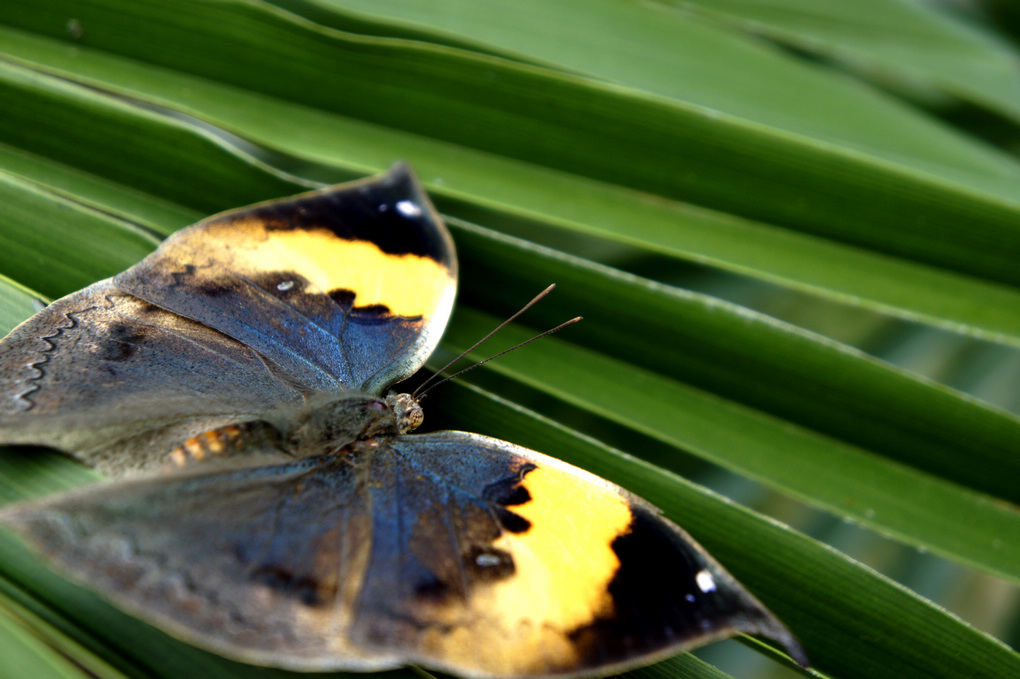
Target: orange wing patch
<point>563,566</point>
<point>408,285</point>
<point>572,524</point>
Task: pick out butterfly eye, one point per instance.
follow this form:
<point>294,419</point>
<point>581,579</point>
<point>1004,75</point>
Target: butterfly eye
<point>411,419</point>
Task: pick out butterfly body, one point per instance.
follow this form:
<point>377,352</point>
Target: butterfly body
<point>272,504</point>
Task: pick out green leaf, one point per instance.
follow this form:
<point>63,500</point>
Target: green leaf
<point>958,58</point>
<point>690,52</point>
<point>37,649</point>
<point>653,150</point>
<point>757,361</point>
<point>551,206</point>
<point>571,123</point>
<point>81,245</point>
<point>16,304</point>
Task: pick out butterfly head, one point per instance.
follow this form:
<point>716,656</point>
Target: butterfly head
<point>407,411</point>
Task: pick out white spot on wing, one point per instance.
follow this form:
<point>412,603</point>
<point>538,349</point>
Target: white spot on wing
<point>408,208</point>
<point>484,560</point>
<point>705,581</point>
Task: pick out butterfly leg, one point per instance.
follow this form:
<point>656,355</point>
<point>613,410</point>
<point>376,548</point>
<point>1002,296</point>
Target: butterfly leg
<point>253,438</point>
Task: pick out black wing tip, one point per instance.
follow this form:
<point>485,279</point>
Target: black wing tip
<point>796,651</point>
<point>400,170</point>
<point>402,180</point>
<point>778,633</point>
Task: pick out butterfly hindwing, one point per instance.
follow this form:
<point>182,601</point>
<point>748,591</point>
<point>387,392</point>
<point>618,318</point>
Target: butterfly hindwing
<point>120,382</point>
<point>346,288</point>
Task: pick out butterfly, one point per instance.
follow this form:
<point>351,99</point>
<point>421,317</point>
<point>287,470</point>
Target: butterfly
<point>268,501</point>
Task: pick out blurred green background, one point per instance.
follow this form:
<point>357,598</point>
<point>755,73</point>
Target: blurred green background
<point>792,227</point>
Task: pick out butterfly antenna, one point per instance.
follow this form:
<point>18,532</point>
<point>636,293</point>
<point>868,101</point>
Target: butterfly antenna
<point>421,395</point>
<point>474,346</point>
<point>427,385</point>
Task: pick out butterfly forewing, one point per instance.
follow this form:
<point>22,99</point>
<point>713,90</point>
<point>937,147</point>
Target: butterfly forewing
<point>558,572</point>
<point>346,288</point>
<point>239,317</point>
